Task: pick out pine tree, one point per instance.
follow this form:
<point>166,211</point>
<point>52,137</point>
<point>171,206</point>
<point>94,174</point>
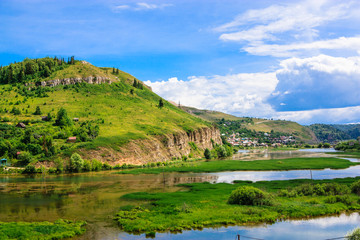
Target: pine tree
<point>37,111</point>
<point>161,103</point>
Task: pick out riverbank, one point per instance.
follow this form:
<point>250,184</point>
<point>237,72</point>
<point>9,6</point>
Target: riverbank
<point>237,165</point>
<point>200,205</point>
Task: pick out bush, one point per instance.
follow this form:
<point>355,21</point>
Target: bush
<point>29,169</point>
<point>355,187</point>
<point>247,195</point>
<point>354,235</point>
<point>59,165</point>
<point>336,189</point>
<point>207,153</point>
<point>76,163</point>
<point>325,189</point>
<point>106,166</point>
<point>25,158</point>
<point>87,166</point>
<point>96,165</point>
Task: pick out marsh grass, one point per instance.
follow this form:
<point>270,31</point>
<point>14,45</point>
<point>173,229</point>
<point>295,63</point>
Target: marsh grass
<point>257,165</point>
<point>200,205</point>
<point>60,229</point>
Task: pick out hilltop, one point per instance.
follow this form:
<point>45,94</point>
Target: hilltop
<point>116,118</point>
<point>301,133</point>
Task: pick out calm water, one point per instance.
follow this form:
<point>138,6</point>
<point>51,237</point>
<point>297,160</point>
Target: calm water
<point>316,229</point>
<point>96,197</point>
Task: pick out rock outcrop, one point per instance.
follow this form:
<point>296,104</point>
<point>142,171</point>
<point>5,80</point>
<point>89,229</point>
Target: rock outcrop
<point>69,81</point>
<point>159,148</point>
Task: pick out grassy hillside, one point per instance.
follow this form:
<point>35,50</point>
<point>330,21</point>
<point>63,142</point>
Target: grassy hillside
<point>328,133</point>
<point>209,115</point>
<point>257,124</point>
<point>119,110</point>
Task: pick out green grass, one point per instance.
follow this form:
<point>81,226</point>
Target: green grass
<point>41,230</point>
<point>201,205</point>
<point>126,116</point>
<point>257,165</point>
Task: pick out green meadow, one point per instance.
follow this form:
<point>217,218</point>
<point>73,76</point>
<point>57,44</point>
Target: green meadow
<point>200,205</point>
<point>238,165</point>
<point>60,229</point>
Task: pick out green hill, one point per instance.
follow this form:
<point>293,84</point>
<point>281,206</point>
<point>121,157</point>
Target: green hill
<point>333,133</point>
<point>121,112</point>
<point>300,132</point>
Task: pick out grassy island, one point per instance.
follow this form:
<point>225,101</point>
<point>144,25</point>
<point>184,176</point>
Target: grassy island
<point>257,165</point>
<point>200,205</point>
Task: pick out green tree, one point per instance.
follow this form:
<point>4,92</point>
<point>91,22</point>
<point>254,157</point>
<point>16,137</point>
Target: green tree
<point>161,103</point>
<point>207,153</point>
<point>37,111</point>
<point>76,163</point>
<point>62,118</point>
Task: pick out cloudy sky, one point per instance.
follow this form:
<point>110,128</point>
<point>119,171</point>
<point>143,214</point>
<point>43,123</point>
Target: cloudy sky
<point>296,60</point>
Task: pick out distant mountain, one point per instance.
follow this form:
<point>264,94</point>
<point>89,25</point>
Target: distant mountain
<point>333,133</point>
<point>300,132</point>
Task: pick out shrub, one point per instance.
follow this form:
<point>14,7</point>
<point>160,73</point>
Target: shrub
<point>207,153</point>
<point>59,165</point>
<point>335,189</point>
<point>87,166</point>
<point>354,235</point>
<point>37,111</point>
<point>355,188</point>
<point>29,169</point>
<point>76,163</point>
<point>247,195</point>
<point>96,165</point>
<point>25,158</point>
<point>106,166</point>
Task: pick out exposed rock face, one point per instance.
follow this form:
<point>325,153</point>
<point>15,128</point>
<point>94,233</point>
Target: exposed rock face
<point>69,81</point>
<point>160,148</point>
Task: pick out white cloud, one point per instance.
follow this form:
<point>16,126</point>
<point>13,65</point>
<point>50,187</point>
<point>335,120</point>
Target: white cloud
<point>240,94</point>
<point>268,31</point>
<point>317,82</point>
<point>148,6</point>
<point>317,89</point>
<point>332,115</point>
<point>141,6</point>
<point>121,7</point>
<point>301,18</point>
<point>276,50</point>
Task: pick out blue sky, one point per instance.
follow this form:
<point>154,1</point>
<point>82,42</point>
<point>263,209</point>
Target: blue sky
<point>296,60</point>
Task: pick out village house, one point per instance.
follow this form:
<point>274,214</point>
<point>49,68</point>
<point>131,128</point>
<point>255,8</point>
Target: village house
<point>21,125</point>
<point>71,140</point>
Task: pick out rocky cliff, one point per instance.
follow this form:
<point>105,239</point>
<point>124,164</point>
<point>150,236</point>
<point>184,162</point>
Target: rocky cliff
<point>68,81</point>
<point>159,148</point>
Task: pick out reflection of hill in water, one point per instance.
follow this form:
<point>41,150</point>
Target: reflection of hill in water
<point>265,154</point>
<point>194,179</point>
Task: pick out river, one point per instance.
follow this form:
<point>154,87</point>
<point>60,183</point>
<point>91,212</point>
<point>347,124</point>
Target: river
<point>96,197</point>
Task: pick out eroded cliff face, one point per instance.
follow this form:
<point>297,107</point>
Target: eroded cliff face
<point>159,148</point>
<point>70,81</point>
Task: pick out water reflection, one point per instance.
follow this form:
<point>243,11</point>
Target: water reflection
<point>319,228</point>
<point>267,154</point>
<point>229,177</point>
